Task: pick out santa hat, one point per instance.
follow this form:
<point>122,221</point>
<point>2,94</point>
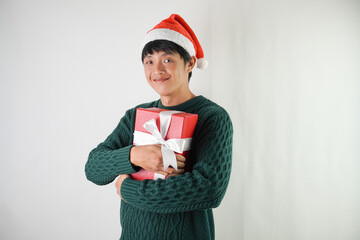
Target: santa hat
<point>175,29</point>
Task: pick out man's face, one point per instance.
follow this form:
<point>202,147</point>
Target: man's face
<point>167,73</point>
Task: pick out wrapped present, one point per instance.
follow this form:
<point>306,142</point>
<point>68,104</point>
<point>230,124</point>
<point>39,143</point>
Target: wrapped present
<point>172,129</point>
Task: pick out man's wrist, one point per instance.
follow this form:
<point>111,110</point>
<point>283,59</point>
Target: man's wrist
<point>132,158</point>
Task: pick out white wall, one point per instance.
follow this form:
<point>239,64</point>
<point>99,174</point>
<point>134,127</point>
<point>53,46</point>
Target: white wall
<point>294,73</point>
<point>287,72</point>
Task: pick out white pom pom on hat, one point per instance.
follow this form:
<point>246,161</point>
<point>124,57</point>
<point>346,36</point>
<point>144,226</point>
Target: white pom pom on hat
<point>202,63</point>
<point>175,29</point>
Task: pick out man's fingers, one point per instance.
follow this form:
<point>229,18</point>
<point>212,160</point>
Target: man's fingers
<point>180,165</point>
<point>162,173</point>
<point>117,187</point>
<point>177,172</point>
<point>180,158</point>
<point>172,171</point>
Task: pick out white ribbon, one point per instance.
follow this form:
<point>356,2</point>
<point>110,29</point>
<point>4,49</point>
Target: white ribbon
<point>168,147</point>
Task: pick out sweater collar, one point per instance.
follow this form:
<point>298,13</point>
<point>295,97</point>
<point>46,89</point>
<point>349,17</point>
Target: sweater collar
<point>183,106</point>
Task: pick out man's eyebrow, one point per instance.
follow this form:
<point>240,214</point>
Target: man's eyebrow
<point>166,54</point>
<point>162,55</point>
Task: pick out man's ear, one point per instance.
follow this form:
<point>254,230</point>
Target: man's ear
<point>191,64</point>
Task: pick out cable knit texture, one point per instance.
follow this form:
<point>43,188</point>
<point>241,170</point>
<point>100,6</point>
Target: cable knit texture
<point>178,207</point>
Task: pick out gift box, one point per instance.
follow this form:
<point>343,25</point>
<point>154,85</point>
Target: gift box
<point>172,129</point>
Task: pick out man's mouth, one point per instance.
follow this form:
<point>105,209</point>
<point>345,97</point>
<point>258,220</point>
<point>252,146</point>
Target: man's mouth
<point>160,80</point>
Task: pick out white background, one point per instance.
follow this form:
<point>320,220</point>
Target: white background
<point>287,72</point>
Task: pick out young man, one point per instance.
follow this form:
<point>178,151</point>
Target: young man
<point>179,207</point>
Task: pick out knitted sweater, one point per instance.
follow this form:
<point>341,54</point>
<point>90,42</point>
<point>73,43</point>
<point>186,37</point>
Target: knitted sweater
<point>179,207</point>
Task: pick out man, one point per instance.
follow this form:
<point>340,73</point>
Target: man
<point>179,207</point>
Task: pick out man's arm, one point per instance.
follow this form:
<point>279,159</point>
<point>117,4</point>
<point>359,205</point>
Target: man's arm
<point>111,157</point>
<point>116,155</point>
<point>203,188</point>
<point>149,157</point>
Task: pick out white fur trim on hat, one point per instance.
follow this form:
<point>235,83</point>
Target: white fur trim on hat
<point>168,34</point>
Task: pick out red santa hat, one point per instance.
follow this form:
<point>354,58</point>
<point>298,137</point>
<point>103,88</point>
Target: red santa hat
<point>175,29</point>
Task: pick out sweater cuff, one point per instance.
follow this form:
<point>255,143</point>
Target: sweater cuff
<point>124,163</point>
<point>128,189</point>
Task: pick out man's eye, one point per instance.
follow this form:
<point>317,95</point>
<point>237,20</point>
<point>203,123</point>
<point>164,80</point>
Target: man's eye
<point>148,62</point>
<point>167,60</point>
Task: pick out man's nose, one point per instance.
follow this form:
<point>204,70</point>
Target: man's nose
<point>159,67</point>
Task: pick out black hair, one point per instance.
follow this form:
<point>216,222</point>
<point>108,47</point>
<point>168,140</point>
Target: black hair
<point>167,47</point>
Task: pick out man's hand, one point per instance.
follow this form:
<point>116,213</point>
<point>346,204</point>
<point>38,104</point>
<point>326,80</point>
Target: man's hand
<point>119,182</point>
<point>149,157</point>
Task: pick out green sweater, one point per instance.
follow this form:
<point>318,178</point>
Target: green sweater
<point>179,207</point>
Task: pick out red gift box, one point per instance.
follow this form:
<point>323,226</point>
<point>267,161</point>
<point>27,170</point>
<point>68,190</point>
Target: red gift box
<point>182,126</point>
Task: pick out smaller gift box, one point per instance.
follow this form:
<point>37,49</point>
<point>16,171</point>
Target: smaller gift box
<point>172,129</point>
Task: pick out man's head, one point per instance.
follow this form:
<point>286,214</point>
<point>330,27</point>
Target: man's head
<point>170,51</point>
<point>175,30</point>
<point>167,47</point>
<point>167,68</point>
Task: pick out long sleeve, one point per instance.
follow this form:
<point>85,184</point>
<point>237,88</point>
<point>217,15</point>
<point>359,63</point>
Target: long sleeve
<point>111,157</point>
<point>202,188</point>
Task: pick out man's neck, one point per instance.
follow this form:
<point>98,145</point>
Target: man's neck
<point>169,101</point>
